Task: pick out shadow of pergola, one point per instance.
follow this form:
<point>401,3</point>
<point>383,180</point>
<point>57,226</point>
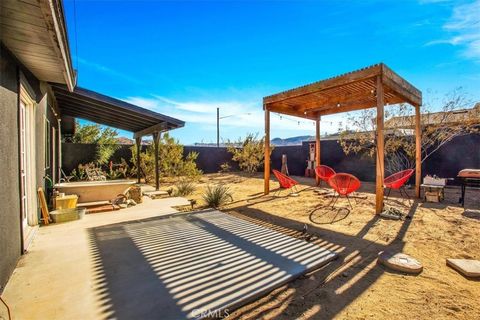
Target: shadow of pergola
<point>164,268</point>
<point>136,265</point>
<point>331,290</point>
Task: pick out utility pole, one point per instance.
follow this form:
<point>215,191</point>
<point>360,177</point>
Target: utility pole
<point>218,123</point>
<point>218,127</point>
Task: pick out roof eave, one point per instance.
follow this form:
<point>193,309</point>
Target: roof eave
<point>54,16</point>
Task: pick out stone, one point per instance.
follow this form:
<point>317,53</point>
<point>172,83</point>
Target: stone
<point>400,262</point>
<point>467,267</point>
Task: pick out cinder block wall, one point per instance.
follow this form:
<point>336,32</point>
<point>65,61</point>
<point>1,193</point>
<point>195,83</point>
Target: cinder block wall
<point>462,152</point>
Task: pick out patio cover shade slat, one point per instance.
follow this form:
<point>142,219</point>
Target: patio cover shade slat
<point>347,92</point>
<point>99,108</point>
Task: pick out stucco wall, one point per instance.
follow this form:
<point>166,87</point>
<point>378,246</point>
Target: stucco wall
<point>11,73</point>
<point>10,238</point>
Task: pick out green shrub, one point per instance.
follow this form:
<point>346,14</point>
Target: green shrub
<point>79,174</point>
<point>225,167</point>
<point>104,138</point>
<point>170,160</point>
<point>216,196</point>
<point>249,153</point>
<point>184,188</point>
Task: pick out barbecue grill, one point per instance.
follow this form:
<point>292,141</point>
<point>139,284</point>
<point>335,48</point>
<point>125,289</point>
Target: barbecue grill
<point>468,178</point>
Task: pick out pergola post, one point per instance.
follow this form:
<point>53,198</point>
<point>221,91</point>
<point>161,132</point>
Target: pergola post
<point>380,147</point>
<point>317,147</point>
<point>156,141</point>
<point>418,151</point>
<point>266,175</point>
<point>138,141</point>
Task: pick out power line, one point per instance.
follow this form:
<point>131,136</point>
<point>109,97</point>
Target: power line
<point>75,31</point>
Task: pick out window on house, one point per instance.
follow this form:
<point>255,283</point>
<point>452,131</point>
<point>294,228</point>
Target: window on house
<point>48,139</point>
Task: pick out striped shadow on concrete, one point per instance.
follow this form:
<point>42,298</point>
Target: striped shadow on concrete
<point>189,266</point>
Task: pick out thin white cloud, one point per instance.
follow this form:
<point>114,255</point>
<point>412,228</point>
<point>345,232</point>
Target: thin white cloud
<point>432,1</point>
<point>108,71</point>
<point>463,29</point>
<point>236,115</point>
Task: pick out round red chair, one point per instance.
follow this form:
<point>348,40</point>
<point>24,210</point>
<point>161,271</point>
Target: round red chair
<point>324,172</point>
<point>344,184</point>
<point>285,181</point>
<point>397,181</point>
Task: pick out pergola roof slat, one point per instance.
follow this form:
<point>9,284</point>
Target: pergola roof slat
<point>356,89</point>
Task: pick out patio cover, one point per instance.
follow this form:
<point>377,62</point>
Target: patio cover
<point>370,87</point>
<point>89,105</point>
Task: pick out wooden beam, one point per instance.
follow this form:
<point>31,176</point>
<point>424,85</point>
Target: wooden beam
<point>380,148</point>
<point>156,142</point>
<point>317,147</point>
<point>418,151</point>
<point>266,175</point>
<point>401,86</point>
<point>279,108</point>
<point>159,127</point>
<point>138,142</point>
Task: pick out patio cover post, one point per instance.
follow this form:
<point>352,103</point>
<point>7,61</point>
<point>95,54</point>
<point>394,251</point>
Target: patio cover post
<point>380,147</point>
<point>138,141</point>
<point>156,142</point>
<point>418,151</point>
<point>266,175</point>
<point>317,147</point>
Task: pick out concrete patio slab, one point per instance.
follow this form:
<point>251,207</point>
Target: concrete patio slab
<point>154,263</point>
<point>194,265</point>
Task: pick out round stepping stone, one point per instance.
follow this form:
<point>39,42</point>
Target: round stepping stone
<point>400,262</point>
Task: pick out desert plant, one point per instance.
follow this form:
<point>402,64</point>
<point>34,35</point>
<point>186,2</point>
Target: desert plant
<point>438,128</point>
<point>79,174</point>
<point>171,161</point>
<point>249,152</point>
<point>184,188</point>
<point>225,167</point>
<point>217,195</point>
<point>104,138</point>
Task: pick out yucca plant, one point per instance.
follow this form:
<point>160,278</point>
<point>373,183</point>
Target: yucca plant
<point>184,188</point>
<point>216,196</point>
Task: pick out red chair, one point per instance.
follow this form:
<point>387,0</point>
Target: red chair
<point>324,173</point>
<point>344,184</point>
<point>285,181</point>
<point>397,181</point>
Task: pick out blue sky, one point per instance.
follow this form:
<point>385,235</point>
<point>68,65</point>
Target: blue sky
<point>186,58</point>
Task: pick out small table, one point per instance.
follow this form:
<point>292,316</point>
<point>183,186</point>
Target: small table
<point>439,191</point>
<point>472,182</point>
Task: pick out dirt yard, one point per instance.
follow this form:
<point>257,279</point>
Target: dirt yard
<point>355,286</point>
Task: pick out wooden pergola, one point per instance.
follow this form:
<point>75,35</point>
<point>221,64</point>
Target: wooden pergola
<point>374,86</point>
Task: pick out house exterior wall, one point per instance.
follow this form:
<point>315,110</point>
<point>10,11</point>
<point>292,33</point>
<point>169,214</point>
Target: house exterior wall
<point>12,74</point>
<point>10,236</point>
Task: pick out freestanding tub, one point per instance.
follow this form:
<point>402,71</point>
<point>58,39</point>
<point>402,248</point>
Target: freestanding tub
<point>93,191</point>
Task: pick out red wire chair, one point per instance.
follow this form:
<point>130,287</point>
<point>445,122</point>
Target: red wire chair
<point>344,184</point>
<point>397,181</point>
<point>285,181</point>
<point>324,173</point>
